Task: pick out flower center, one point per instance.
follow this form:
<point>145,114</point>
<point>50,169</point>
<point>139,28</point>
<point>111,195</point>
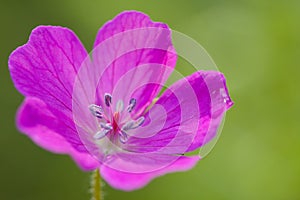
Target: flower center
<point>114,128</point>
<point>115,121</point>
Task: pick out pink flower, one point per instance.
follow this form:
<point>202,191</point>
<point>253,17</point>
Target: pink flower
<point>100,109</point>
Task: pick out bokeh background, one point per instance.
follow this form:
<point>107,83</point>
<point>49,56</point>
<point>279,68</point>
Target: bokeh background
<point>255,43</point>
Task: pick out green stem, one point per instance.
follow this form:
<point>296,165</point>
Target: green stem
<point>96,186</point>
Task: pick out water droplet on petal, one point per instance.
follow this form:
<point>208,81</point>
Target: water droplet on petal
<point>224,95</point>
<point>226,98</point>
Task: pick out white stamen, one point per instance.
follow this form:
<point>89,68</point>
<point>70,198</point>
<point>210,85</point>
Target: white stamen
<point>131,105</point>
<point>96,110</point>
<point>128,125</point>
<point>106,126</point>
<point>133,124</point>
<point>123,137</point>
<point>101,134</point>
<point>120,106</point>
<point>138,122</point>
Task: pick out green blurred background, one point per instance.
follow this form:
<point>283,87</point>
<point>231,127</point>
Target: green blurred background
<point>254,43</point>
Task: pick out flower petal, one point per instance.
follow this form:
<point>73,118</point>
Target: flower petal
<point>46,66</point>
<point>189,115</point>
<point>37,122</point>
<point>127,20</point>
<point>132,181</point>
<point>128,41</point>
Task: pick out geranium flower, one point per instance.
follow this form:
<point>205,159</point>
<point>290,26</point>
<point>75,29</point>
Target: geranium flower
<point>102,109</point>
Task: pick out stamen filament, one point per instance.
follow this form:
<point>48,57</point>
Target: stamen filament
<point>120,106</point>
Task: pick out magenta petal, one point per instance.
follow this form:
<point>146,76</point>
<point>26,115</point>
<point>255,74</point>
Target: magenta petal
<point>131,40</point>
<point>132,181</point>
<point>212,115</point>
<point>185,117</point>
<point>46,66</point>
<point>37,122</point>
<point>125,21</point>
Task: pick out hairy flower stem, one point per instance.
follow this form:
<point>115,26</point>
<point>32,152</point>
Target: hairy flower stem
<point>96,186</point>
